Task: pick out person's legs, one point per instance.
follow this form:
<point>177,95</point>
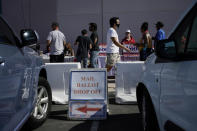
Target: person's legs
<point>94,59</point>
<point>91,59</point>
<point>85,62</point>
<point>148,52</point>
<point>142,54</point>
<point>56,58</point>
<point>78,59</point>
<point>60,58</point>
<point>109,67</point>
<point>52,58</point>
<point>112,59</point>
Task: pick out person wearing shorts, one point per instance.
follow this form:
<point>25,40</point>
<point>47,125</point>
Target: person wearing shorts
<point>112,58</point>
<point>113,44</point>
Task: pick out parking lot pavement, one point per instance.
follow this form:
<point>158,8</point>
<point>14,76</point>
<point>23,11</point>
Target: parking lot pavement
<point>120,118</point>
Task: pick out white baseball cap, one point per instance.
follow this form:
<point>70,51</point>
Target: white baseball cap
<point>129,31</point>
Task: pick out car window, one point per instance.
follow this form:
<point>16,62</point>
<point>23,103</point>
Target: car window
<point>6,35</point>
<point>181,36</point>
<point>192,44</point>
<point>182,32</point>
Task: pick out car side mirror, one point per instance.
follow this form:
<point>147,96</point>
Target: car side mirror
<point>166,49</point>
<point>28,37</point>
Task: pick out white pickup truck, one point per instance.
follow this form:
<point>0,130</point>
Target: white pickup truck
<point>25,94</point>
<point>167,92</point>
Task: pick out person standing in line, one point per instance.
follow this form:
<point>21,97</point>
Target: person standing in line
<point>95,47</point>
<point>145,42</point>
<point>84,45</point>
<point>56,42</point>
<point>160,35</point>
<point>113,44</point>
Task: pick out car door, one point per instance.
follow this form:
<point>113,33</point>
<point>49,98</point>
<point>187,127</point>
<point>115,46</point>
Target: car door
<point>14,76</point>
<point>179,79</point>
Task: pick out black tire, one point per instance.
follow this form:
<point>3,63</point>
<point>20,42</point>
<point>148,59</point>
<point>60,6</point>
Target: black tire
<point>35,122</point>
<point>149,119</point>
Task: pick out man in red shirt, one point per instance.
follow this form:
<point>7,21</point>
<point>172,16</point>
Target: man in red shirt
<point>128,41</point>
<point>128,38</point>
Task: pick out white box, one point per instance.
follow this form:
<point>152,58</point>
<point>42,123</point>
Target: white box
<point>58,78</point>
<point>127,76</point>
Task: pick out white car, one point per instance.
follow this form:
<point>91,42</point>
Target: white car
<point>167,92</point>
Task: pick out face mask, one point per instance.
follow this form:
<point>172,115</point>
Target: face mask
<point>118,25</point>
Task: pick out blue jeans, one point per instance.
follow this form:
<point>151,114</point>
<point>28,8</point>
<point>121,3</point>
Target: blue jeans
<point>84,60</point>
<point>94,59</point>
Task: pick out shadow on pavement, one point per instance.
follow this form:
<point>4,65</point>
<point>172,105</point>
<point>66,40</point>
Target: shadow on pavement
<point>113,102</point>
<point>58,115</point>
<point>123,122</point>
<point>61,112</point>
<point>62,116</point>
<point>85,126</point>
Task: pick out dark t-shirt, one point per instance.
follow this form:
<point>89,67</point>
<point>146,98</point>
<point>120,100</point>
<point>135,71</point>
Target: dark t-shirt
<point>95,46</point>
<point>84,46</point>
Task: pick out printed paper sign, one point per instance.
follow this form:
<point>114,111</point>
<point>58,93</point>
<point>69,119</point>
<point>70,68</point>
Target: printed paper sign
<point>88,85</point>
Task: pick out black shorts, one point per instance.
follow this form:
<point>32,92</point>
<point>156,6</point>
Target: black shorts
<point>56,58</point>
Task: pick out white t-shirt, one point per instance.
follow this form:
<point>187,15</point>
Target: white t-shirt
<point>57,39</point>
<point>111,47</point>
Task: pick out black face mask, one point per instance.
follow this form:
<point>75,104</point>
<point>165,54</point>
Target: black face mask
<point>118,25</point>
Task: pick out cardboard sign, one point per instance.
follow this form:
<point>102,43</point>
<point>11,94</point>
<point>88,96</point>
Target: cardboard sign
<point>87,110</point>
<point>88,85</point>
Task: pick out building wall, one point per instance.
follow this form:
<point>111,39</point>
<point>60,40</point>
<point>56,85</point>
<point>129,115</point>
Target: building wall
<point>74,15</point>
